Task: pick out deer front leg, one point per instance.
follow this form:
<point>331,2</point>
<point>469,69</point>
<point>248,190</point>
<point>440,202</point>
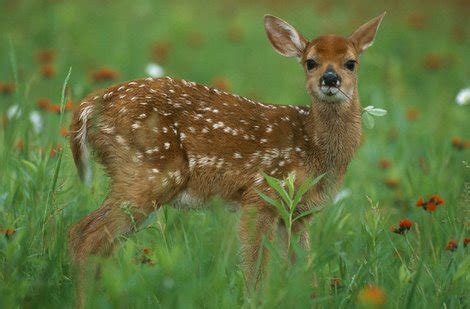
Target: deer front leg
<point>258,221</point>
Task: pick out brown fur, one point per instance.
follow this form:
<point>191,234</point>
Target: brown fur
<point>166,140</point>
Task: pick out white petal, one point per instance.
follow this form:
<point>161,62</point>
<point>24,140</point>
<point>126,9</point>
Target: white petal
<point>154,70</point>
<point>13,111</point>
<point>36,120</point>
<point>463,97</point>
<point>341,195</point>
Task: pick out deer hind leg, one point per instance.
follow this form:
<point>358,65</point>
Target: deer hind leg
<point>128,204</point>
<point>258,221</point>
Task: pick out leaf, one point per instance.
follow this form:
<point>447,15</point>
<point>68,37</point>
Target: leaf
<point>367,108</point>
<point>276,185</point>
<point>280,207</point>
<point>304,187</point>
<point>378,112</point>
<point>368,120</point>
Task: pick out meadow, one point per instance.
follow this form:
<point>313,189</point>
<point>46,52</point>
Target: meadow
<point>397,235</point>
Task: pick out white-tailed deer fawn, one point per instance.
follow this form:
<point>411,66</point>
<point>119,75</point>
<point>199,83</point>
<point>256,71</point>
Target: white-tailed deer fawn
<point>172,141</point>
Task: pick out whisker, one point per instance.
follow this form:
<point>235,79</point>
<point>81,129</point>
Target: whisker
<point>343,93</point>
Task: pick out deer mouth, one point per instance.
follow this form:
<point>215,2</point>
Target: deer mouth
<point>329,90</point>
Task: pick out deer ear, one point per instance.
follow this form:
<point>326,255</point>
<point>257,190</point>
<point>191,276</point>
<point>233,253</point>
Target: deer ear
<point>285,39</point>
<point>364,36</point>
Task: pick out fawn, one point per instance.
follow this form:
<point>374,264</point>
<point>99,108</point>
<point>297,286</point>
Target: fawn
<point>173,141</point>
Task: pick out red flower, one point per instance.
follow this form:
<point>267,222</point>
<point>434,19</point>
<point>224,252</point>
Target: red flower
<point>335,283</point>
<point>64,132</point>
<point>48,71</point>
<point>451,245</point>
<point>404,226</point>
<point>104,74</point>
<point>384,163</point>
<point>7,88</point>
<point>372,295</point>
<point>43,103</point>
<point>46,55</point>
<point>8,232</point>
<point>466,241</point>
<point>431,204</point>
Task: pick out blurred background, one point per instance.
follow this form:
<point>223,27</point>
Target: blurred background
<point>415,70</point>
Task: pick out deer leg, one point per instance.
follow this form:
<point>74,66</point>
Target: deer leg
<point>257,221</point>
<point>123,210</point>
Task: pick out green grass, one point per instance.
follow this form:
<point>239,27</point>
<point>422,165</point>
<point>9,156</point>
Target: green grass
<point>194,255</point>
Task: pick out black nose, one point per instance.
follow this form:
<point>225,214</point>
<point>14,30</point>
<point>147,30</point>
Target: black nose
<point>330,79</point>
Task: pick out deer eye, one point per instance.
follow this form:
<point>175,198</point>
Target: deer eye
<point>350,64</point>
<point>311,64</point>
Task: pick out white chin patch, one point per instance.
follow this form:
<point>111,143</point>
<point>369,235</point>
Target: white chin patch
<point>329,91</point>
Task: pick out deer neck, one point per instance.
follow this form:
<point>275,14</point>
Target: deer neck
<point>334,132</point>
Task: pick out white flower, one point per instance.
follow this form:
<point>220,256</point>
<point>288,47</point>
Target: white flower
<point>463,97</point>
<point>36,120</point>
<point>154,70</point>
<point>13,111</point>
<point>341,195</point>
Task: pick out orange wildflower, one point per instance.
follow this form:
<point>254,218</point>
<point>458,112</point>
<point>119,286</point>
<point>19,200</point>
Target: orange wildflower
<point>54,150</point>
<point>48,71</point>
<point>431,204</point>
<point>46,55</point>
<point>466,241</point>
<point>20,145</point>
<point>221,83</point>
<point>8,232</point>
<point>451,245</point>
<point>104,74</point>
<point>403,227</point>
<point>433,62</point>
<point>43,103</point>
<point>64,132</point>
<point>160,51</point>
<point>392,182</point>
<point>7,88</point>
<point>69,105</point>
<point>335,283</point>
<point>412,113</point>
<point>54,108</point>
<point>384,164</point>
<point>372,295</point>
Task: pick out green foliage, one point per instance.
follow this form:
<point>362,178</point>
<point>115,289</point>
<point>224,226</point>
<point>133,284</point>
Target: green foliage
<point>192,258</point>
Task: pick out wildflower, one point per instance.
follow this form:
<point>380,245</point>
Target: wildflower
<point>403,227</point>
<point>412,113</point>
<point>55,150</point>
<point>433,62</point>
<point>451,245</point>
<point>64,132</point>
<point>69,105</point>
<point>372,295</point>
<point>46,55</point>
<point>466,241</point>
<point>221,83</point>
<point>36,121</point>
<point>145,259</point>
<point>8,232</point>
<point>384,164</point>
<point>416,21</point>
<point>154,70</point>
<point>48,70</point>
<point>7,88</point>
<point>431,204</point>
<point>14,111</point>
<point>20,145</point>
<point>392,183</point>
<point>43,103</point>
<point>104,74</point>
<point>335,283</point>
<point>463,97</point>
<point>160,51</point>
<point>54,108</point>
